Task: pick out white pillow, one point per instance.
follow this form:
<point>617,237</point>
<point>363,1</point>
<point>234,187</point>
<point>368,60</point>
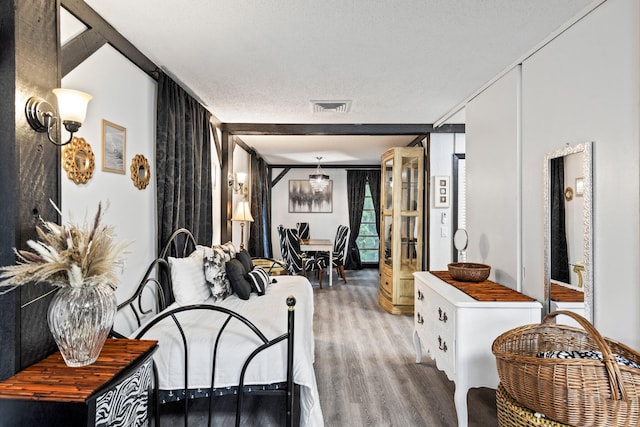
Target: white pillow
<point>187,275</point>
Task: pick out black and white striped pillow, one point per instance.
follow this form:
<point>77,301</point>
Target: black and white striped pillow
<point>259,279</point>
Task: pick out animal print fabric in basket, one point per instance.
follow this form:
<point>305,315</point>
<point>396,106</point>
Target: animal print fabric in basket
<point>585,354</point>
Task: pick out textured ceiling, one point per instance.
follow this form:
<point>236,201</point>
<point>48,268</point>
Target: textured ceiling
<point>398,62</point>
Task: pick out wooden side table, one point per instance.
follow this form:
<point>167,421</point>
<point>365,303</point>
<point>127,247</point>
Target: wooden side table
<point>115,389</point>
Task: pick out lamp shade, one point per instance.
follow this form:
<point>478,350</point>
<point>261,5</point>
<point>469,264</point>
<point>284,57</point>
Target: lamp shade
<point>72,105</point>
<point>242,212</point>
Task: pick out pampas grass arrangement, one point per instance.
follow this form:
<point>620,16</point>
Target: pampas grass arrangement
<point>68,256</point>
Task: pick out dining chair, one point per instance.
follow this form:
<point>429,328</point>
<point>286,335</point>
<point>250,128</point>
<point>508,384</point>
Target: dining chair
<point>295,260</point>
<point>340,250</point>
<point>303,230</point>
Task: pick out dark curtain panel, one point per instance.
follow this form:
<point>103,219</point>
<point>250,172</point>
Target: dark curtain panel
<point>260,235</point>
<point>356,181</point>
<point>559,255</point>
<point>183,164</point>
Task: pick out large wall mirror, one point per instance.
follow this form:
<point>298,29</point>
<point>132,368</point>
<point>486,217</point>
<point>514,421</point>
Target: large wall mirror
<point>568,262</point>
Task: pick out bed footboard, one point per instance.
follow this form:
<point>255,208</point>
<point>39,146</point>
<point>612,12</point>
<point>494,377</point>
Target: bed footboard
<point>266,343</point>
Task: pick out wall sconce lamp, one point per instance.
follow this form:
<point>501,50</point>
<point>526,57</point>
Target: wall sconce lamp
<point>72,109</point>
<point>236,181</point>
<point>242,214</point>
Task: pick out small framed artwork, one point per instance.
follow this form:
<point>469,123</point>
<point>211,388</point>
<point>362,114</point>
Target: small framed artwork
<point>114,143</point>
<point>441,194</point>
<point>579,187</point>
<point>302,198</point>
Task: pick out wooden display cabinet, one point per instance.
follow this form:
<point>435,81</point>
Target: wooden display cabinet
<point>401,199</point>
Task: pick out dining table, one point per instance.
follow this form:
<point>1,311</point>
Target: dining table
<point>320,245</point>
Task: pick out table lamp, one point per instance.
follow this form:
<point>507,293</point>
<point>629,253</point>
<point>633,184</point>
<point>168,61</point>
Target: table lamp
<point>242,213</point>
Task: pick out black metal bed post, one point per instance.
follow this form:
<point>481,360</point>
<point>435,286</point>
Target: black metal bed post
<point>291,303</point>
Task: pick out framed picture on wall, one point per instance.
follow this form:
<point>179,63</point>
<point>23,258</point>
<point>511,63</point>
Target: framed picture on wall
<point>441,194</point>
<point>302,198</point>
<point>114,142</point>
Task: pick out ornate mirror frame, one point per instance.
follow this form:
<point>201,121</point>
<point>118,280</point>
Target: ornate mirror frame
<point>586,149</point>
<point>78,160</point>
<point>140,171</point>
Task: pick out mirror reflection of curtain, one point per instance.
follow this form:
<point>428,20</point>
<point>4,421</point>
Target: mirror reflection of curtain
<point>183,164</point>
<point>559,253</point>
<point>260,235</point>
<point>356,191</point>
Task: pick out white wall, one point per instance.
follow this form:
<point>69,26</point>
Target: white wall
<point>321,225</point>
<point>219,184</point>
<point>125,95</point>
<point>441,149</point>
<point>582,86</point>
<point>492,179</point>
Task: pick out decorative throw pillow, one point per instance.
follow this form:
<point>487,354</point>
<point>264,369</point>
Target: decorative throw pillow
<point>244,257</point>
<point>230,248</point>
<point>222,251</point>
<point>215,274</point>
<point>236,275</point>
<point>187,276</point>
<point>259,279</point>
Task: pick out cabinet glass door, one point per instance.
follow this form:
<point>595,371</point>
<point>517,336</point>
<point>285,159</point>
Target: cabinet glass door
<point>409,242</point>
<point>387,189</point>
<point>387,247</point>
<point>409,174</point>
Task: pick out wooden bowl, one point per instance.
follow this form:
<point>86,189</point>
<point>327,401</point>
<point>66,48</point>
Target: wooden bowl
<point>469,271</point>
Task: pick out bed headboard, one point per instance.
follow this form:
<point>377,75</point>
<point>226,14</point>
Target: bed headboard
<point>180,244</point>
<point>154,292</point>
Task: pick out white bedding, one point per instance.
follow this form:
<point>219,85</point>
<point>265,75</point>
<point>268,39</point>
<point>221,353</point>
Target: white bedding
<point>269,314</point>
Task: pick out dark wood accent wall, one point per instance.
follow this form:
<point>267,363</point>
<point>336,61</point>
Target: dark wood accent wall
<point>30,169</point>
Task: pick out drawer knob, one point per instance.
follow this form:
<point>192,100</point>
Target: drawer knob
<point>442,345</point>
<point>442,315</point>
<point>420,318</point>
<point>420,295</point>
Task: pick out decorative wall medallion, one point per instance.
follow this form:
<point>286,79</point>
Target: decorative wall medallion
<point>78,160</point>
<point>140,171</point>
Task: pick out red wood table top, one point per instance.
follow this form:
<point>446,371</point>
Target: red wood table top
<point>483,291</point>
<point>52,380</point>
<point>564,294</point>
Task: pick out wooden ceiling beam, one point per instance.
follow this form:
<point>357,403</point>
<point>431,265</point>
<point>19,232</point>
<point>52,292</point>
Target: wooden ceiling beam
<point>100,31</point>
<point>338,129</point>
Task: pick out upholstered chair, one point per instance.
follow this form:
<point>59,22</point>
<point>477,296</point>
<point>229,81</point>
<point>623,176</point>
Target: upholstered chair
<point>303,230</point>
<point>293,257</point>
<point>340,250</point>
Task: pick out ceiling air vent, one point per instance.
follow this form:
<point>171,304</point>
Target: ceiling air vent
<point>331,106</point>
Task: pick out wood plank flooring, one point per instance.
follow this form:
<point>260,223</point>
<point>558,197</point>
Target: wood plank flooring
<point>365,370</point>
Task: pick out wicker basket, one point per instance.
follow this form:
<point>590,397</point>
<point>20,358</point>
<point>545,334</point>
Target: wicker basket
<point>580,392</point>
<point>512,414</point>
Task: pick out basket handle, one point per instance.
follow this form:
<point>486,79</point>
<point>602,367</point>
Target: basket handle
<point>618,391</point>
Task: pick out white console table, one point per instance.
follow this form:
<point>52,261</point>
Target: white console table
<point>457,331</point>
